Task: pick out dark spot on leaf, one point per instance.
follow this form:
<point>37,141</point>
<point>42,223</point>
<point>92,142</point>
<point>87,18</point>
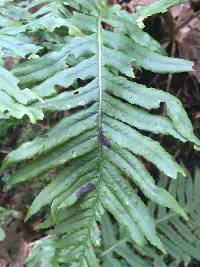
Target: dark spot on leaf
<point>85,189</point>
<point>102,140</point>
<point>59,88</point>
<point>44,136</point>
<point>76,92</point>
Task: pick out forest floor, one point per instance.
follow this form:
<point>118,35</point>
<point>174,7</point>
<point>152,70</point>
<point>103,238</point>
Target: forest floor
<point>179,33</point>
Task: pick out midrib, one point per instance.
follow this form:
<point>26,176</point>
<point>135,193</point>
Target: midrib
<point>100,85</point>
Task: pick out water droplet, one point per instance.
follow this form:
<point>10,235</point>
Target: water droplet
<point>74,154</point>
<point>97,242</point>
<point>62,161</point>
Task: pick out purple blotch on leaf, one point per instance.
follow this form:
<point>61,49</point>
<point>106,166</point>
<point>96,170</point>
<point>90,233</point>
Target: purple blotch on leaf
<point>85,189</point>
<point>102,140</point>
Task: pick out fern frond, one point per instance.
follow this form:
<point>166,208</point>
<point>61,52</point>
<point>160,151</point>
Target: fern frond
<point>180,237</point>
<point>47,16</point>
<point>43,252</point>
<point>157,7</point>
<point>13,101</point>
<point>97,146</point>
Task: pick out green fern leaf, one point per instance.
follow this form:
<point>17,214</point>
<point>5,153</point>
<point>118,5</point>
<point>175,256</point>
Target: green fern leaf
<point>98,145</point>
<point>180,237</point>
<point>43,252</point>
<point>50,15</point>
<point>17,46</point>
<point>13,101</point>
<point>160,6</point>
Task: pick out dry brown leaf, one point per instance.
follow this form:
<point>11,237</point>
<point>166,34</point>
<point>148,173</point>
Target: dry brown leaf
<point>3,263</point>
<point>189,45</point>
<point>188,36</point>
<point>197,115</point>
<point>132,4</point>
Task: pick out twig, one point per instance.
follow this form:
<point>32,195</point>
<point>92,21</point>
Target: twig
<point>171,75</point>
<point>30,245</point>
